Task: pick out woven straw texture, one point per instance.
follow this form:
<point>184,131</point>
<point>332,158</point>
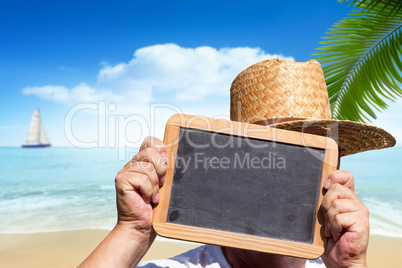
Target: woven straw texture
<point>352,137</point>
<point>280,88</point>
<point>284,89</point>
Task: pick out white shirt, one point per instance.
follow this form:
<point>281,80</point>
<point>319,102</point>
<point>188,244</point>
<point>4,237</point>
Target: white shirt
<point>206,256</point>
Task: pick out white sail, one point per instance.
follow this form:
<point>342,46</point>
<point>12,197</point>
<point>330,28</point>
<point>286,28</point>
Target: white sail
<point>44,138</point>
<point>37,136</point>
<point>34,127</point>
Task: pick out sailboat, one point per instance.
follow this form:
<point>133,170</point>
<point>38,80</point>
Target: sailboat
<point>37,136</point>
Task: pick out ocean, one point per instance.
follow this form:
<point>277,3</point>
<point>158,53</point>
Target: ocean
<point>68,188</point>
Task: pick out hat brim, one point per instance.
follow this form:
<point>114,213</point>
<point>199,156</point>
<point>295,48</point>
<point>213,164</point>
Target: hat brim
<point>352,137</point>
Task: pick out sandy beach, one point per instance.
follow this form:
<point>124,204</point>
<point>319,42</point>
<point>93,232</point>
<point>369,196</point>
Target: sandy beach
<point>69,248</point>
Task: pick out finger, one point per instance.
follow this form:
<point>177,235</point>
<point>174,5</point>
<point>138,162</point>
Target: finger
<point>345,222</point>
<point>148,169</point>
<point>330,247</point>
<point>159,146</point>
<point>341,177</point>
<point>152,156</point>
<point>152,142</point>
<point>148,144</point>
<point>149,155</point>
<point>130,181</point>
<point>339,206</point>
<point>336,191</point>
<point>340,222</point>
<point>142,183</point>
<point>151,151</point>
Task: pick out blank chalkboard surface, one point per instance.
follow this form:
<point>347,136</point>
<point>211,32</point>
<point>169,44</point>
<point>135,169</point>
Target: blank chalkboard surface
<point>243,185</point>
<point>258,174</point>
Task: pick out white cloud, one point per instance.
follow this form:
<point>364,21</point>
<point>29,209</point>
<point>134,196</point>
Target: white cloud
<point>183,73</point>
<point>189,73</point>
<point>181,80</point>
<point>80,93</point>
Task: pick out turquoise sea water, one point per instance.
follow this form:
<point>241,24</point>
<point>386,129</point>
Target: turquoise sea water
<point>64,188</point>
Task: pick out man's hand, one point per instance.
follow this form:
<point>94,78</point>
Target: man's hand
<point>137,189</point>
<point>346,223</point>
<point>137,186</point>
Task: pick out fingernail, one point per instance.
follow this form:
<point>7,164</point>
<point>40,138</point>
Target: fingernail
<point>156,199</point>
<point>164,156</point>
<point>327,183</point>
<point>162,180</point>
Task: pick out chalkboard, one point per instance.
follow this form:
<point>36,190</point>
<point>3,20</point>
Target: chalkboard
<point>264,186</point>
<point>246,186</point>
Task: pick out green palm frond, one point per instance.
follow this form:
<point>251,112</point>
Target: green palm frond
<point>361,60</point>
<point>368,5</point>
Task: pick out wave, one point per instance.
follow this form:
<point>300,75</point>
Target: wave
<point>385,217</point>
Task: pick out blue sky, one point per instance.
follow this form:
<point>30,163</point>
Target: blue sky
<point>90,65</point>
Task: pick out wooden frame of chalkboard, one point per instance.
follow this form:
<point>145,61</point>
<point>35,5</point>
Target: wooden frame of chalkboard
<point>269,202</point>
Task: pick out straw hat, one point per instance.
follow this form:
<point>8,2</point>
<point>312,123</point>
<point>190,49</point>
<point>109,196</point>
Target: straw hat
<point>276,90</point>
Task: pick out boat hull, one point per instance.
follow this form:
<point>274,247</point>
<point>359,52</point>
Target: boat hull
<point>35,145</point>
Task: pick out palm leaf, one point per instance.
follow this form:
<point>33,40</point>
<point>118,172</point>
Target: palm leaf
<point>368,5</point>
<point>361,60</point>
